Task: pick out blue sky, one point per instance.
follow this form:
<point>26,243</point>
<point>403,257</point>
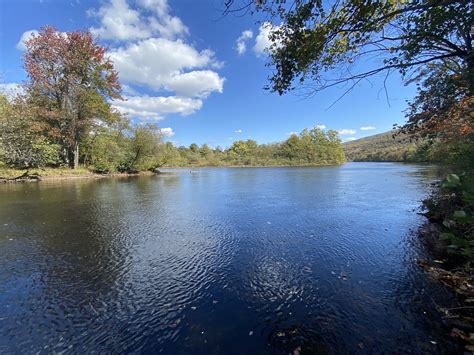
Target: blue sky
<point>184,67</point>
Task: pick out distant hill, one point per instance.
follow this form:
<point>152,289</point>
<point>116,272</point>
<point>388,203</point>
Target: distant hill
<point>386,146</point>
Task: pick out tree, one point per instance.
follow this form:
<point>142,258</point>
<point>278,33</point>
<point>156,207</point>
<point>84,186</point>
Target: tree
<point>69,82</point>
<point>107,147</point>
<point>316,37</point>
<point>20,144</point>
<point>194,148</point>
<point>316,45</point>
<point>146,144</point>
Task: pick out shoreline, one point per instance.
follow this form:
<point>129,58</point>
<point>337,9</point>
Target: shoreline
<point>58,174</point>
<point>78,176</point>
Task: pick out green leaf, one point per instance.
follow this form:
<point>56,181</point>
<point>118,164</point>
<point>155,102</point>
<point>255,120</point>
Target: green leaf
<point>468,197</point>
<point>446,236</point>
<point>460,242</point>
<point>459,214</point>
<point>468,219</point>
<point>447,223</point>
<point>448,185</point>
<point>453,178</point>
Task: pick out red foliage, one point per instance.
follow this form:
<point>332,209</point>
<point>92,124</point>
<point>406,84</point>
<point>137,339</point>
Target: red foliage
<point>70,82</point>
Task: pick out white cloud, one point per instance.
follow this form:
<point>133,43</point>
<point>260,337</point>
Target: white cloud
<point>167,132</point>
<point>24,37</point>
<point>321,126</point>
<point>367,128</point>
<point>118,21</point>
<point>168,26</point>
<point>156,107</point>
<point>128,90</point>
<point>10,90</point>
<point>162,63</point>
<point>348,139</point>
<point>198,83</point>
<point>241,42</point>
<point>238,131</point>
<point>291,133</point>
<point>347,131</point>
<point>154,54</point>
<point>262,41</point>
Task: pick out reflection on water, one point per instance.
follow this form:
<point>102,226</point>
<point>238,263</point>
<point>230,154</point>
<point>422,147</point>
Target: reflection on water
<point>220,261</point>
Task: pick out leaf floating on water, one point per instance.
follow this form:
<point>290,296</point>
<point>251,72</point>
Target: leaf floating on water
<point>215,302</point>
<point>193,308</point>
<point>251,333</point>
<point>280,334</point>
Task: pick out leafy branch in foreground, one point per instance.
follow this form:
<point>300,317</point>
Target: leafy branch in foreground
<point>312,38</point>
<point>316,45</point>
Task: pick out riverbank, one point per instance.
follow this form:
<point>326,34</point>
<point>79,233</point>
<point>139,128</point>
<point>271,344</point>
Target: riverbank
<point>50,174</point>
<point>10,175</point>
<point>448,236</point>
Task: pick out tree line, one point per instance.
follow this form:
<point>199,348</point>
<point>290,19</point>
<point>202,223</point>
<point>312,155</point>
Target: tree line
<point>64,117</point>
<point>310,147</point>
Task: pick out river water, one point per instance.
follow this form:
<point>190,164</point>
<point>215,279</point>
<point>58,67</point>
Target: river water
<point>219,261</point>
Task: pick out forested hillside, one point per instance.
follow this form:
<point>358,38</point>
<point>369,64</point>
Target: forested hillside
<point>388,146</point>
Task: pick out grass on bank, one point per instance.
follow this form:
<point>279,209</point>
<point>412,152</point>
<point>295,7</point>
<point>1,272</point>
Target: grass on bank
<point>10,173</point>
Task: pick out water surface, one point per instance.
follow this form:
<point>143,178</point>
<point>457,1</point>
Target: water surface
<point>251,260</point>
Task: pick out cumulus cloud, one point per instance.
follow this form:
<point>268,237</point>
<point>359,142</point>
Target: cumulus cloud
<point>24,37</point>
<point>262,41</point>
<point>10,90</point>
<point>241,42</point>
<point>347,131</point>
<point>167,132</point>
<point>291,133</point>
<point>198,83</point>
<point>150,52</point>
<point>118,21</point>
<point>156,107</point>
<point>238,131</point>
<point>367,128</point>
<point>161,63</point>
<point>321,126</point>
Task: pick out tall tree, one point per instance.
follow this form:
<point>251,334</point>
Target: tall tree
<point>70,79</point>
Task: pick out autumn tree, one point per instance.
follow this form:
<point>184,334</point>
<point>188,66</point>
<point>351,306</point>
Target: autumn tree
<point>70,80</point>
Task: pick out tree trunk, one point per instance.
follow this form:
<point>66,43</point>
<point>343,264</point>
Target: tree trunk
<point>76,155</point>
<point>73,156</point>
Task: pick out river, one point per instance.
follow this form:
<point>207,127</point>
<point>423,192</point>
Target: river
<point>220,261</point>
